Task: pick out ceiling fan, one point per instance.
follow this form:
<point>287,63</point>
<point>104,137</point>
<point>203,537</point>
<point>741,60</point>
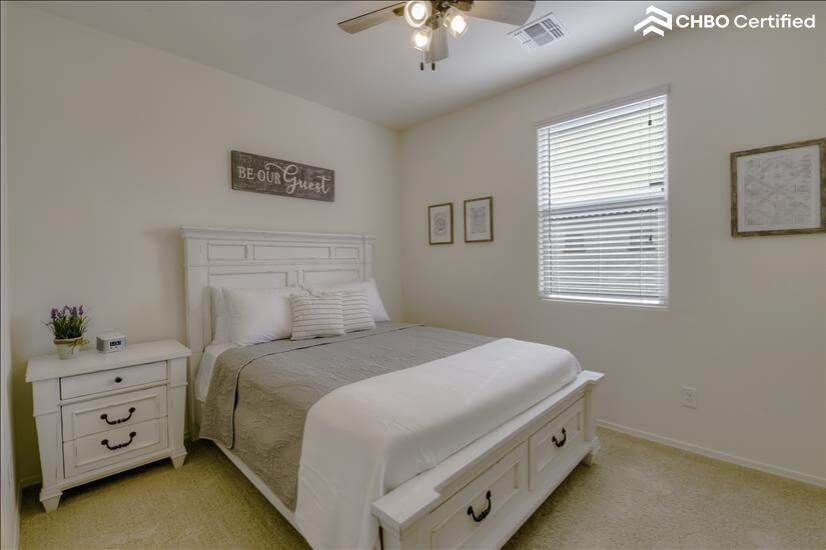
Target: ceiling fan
<point>432,20</point>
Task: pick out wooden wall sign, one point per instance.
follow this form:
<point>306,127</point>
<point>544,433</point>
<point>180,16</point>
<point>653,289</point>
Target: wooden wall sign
<point>282,177</point>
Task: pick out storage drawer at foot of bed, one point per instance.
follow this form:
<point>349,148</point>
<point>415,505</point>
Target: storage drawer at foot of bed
<point>469,516</point>
<point>555,442</point>
<point>114,446</point>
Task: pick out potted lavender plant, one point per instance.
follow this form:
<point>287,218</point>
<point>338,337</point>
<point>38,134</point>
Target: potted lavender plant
<point>68,326</point>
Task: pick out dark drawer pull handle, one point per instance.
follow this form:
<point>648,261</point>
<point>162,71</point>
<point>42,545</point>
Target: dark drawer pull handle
<point>105,417</point>
<point>564,439</point>
<point>120,445</point>
<point>484,513</point>
<point>118,380</point>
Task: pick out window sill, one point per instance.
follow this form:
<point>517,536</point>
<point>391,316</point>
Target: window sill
<point>614,303</point>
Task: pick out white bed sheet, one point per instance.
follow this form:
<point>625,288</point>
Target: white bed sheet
<point>204,376</point>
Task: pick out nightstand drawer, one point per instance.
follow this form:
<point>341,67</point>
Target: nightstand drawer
<point>113,446</point>
<point>115,411</point>
<point>97,382</point>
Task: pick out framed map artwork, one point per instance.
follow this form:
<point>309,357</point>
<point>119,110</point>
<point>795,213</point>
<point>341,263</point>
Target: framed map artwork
<point>779,190</point>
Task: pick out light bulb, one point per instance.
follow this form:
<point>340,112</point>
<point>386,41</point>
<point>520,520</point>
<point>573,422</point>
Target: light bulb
<point>458,25</point>
<point>416,13</point>
<point>421,38</point>
<point>455,22</point>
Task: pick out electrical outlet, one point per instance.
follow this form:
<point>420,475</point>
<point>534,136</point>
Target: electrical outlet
<point>688,397</point>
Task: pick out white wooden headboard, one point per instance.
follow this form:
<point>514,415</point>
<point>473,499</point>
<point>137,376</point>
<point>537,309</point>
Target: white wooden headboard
<point>249,258</point>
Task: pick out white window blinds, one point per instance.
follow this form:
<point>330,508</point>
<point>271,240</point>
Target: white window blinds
<point>602,205</point>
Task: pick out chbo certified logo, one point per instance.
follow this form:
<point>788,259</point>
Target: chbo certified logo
<point>649,24</point>
<point>655,24</point>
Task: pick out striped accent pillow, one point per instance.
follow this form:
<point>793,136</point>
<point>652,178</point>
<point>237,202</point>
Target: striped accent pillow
<point>357,315</point>
<point>317,316</point>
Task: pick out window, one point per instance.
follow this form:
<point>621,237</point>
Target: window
<point>603,205</point>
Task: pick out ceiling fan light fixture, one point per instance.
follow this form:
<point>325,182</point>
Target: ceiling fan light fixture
<point>417,12</point>
<point>434,21</point>
<point>455,22</point>
<point>421,38</point>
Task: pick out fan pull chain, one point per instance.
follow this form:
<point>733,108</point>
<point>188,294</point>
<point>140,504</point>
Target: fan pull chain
<point>421,64</point>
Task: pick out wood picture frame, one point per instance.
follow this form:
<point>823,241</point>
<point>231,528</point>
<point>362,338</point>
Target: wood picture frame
<point>440,223</point>
<point>786,189</point>
<point>483,217</point>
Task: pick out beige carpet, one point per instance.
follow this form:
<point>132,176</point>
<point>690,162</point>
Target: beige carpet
<point>639,495</point>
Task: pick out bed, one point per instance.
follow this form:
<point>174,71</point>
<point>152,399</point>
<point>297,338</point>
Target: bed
<point>402,436</point>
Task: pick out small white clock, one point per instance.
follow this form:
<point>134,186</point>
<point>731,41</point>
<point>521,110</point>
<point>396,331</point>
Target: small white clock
<point>111,341</point>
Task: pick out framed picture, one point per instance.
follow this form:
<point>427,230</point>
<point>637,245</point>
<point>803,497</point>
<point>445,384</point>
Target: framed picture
<point>779,190</point>
<point>479,220</point>
<point>440,223</point>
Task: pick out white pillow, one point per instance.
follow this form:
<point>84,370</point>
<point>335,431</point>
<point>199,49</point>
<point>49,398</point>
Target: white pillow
<point>317,316</point>
<point>258,315</point>
<point>356,311</point>
<point>373,297</point>
<point>220,319</point>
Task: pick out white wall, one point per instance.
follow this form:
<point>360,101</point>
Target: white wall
<point>114,145</point>
<point>747,322</point>
<point>9,512</point>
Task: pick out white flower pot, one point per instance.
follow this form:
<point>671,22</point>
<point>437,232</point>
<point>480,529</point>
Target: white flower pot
<point>69,348</point>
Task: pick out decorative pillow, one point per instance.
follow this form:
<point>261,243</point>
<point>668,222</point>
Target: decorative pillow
<point>356,309</point>
<point>373,297</point>
<point>258,315</point>
<point>220,318</point>
<point>317,316</point>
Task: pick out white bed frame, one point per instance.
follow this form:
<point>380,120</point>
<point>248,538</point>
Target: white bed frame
<point>519,464</point>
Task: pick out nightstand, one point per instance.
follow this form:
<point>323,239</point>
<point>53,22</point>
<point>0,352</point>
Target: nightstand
<point>102,413</point>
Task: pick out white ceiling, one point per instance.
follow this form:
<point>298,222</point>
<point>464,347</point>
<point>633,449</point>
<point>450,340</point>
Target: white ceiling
<point>297,48</point>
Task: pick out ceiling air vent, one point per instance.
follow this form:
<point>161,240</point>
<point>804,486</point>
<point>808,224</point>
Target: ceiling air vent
<point>540,32</point>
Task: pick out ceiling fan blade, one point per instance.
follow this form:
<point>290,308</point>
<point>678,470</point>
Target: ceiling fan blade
<point>373,18</point>
<point>514,12</point>
<point>438,46</point>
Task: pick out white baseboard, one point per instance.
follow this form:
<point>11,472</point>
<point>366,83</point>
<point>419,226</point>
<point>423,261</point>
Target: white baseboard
<point>690,447</point>
<point>719,455</point>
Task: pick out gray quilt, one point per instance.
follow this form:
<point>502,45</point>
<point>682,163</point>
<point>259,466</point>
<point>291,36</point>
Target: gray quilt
<point>259,396</point>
